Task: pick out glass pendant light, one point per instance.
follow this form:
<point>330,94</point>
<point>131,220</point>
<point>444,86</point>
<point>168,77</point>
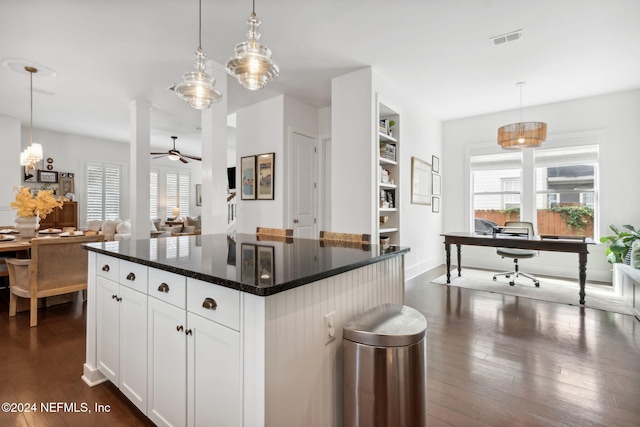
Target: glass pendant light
<point>197,87</point>
<point>31,155</point>
<point>252,64</point>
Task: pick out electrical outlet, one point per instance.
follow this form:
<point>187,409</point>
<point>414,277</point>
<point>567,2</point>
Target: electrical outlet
<point>329,327</point>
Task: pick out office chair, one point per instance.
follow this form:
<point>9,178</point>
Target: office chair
<point>516,254</point>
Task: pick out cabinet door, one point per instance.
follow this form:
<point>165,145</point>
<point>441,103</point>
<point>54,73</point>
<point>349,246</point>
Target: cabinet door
<point>107,333</point>
<point>213,379</point>
<point>167,369</point>
<point>133,347</point>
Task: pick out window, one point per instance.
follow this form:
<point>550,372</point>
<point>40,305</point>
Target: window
<point>103,191</point>
<point>177,193</point>
<point>560,195</point>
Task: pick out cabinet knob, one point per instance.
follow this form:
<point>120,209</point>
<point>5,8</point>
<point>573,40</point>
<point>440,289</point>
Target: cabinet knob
<point>179,328</point>
<point>209,304</point>
<point>105,267</point>
<point>188,332</point>
<point>114,296</point>
<point>295,221</point>
<point>131,276</point>
<point>163,288</point>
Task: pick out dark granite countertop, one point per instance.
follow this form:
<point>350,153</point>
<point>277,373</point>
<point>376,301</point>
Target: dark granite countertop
<point>260,267</point>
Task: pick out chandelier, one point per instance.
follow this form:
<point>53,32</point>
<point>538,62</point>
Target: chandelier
<point>252,64</point>
<point>197,87</point>
<point>31,155</point>
<point>522,134</point>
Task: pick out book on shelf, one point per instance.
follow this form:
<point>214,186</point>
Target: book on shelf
<point>388,151</point>
<point>384,126</point>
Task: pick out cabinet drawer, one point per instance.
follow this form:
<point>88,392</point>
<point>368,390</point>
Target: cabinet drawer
<point>133,275</point>
<point>108,267</point>
<point>168,287</point>
<point>222,305</point>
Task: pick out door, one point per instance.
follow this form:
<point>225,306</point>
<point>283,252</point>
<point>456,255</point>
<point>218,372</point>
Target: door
<point>167,370</point>
<point>133,347</point>
<point>108,331</point>
<point>214,374</point>
<point>304,192</point>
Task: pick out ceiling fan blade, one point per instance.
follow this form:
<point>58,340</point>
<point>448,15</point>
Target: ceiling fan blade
<point>183,160</point>
<point>154,154</point>
<point>157,157</point>
<point>192,157</point>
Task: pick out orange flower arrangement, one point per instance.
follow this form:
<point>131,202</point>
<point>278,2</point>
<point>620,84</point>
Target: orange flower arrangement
<point>41,204</point>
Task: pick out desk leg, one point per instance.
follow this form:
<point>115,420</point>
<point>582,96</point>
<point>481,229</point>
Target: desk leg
<point>459,260</point>
<point>582,275</point>
<point>447,251</point>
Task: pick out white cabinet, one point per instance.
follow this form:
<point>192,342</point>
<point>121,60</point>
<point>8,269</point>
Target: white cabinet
<point>193,356</point>
<point>121,338</point>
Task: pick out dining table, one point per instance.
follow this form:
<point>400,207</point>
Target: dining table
<point>13,242</point>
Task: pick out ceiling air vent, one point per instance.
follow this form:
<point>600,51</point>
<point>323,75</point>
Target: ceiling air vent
<point>509,37</point>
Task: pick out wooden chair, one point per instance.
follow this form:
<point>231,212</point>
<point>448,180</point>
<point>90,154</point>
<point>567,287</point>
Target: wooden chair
<point>345,240</point>
<point>275,234</point>
<point>57,266</point>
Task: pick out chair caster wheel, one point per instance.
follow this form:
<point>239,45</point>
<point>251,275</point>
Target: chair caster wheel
<point>537,284</point>
<point>512,283</point>
<point>507,276</point>
<point>494,279</point>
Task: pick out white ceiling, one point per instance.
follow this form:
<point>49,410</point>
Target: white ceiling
<point>107,53</point>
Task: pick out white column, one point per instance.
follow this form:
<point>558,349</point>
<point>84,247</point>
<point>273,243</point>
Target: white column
<point>139,168</point>
<point>214,158</point>
<point>10,134</point>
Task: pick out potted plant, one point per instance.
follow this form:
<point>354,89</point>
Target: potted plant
<point>31,208</point>
<point>619,244</point>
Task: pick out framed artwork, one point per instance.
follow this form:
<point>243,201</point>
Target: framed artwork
<point>67,186</point>
<point>436,181</point>
<point>420,182</point>
<point>265,169</point>
<point>266,267</point>
<point>435,164</point>
<point>248,174</point>
<point>49,177</point>
<point>198,194</point>
<point>435,204</point>
<point>248,263</point>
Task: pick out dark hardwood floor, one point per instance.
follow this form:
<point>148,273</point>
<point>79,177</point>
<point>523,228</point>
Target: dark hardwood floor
<point>493,360</point>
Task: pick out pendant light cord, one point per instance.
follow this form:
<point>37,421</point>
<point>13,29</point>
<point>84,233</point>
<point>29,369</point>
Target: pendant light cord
<point>200,24</point>
<point>31,122</point>
<point>254,7</point>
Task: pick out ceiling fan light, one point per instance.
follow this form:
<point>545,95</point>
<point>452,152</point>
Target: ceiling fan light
<point>197,87</point>
<point>174,157</point>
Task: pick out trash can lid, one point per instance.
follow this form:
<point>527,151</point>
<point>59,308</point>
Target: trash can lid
<point>387,325</point>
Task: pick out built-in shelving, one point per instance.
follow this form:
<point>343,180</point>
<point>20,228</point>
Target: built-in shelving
<point>388,182</point>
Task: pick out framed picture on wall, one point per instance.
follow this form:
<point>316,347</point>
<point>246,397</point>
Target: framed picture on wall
<point>66,186</point>
<point>435,204</point>
<point>435,164</point>
<point>198,194</point>
<point>49,177</point>
<point>420,182</point>
<point>436,184</point>
<point>248,175</point>
<point>265,170</point>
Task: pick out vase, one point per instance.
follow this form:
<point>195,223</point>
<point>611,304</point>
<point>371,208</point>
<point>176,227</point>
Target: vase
<point>27,226</point>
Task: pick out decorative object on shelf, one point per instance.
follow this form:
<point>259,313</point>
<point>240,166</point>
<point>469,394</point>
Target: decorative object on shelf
<point>33,153</point>
<point>435,164</point>
<point>252,64</point>
<point>50,177</point>
<point>420,182</point>
<point>522,134</point>
<point>384,219</point>
<point>435,204</point>
<point>248,174</point>
<point>31,208</point>
<point>384,241</point>
<point>436,184</point>
<point>265,172</point>
<point>619,243</point>
<point>197,87</point>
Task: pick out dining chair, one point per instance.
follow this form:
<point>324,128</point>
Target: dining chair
<point>345,240</point>
<point>275,234</point>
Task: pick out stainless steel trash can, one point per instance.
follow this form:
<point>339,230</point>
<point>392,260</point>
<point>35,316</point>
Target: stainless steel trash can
<point>384,368</point>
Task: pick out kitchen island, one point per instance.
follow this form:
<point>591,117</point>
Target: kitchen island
<point>208,330</point>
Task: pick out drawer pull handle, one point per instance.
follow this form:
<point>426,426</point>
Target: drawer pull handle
<point>209,304</point>
<point>163,288</point>
<point>131,277</point>
<point>105,267</point>
<point>114,296</point>
<point>179,328</point>
<point>188,332</point>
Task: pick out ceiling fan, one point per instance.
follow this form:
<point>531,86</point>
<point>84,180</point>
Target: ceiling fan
<point>175,155</point>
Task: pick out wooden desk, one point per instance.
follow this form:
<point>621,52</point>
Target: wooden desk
<point>559,244</point>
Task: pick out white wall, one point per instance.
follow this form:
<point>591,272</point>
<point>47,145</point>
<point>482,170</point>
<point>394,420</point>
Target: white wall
<point>10,165</point>
<point>615,115</point>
